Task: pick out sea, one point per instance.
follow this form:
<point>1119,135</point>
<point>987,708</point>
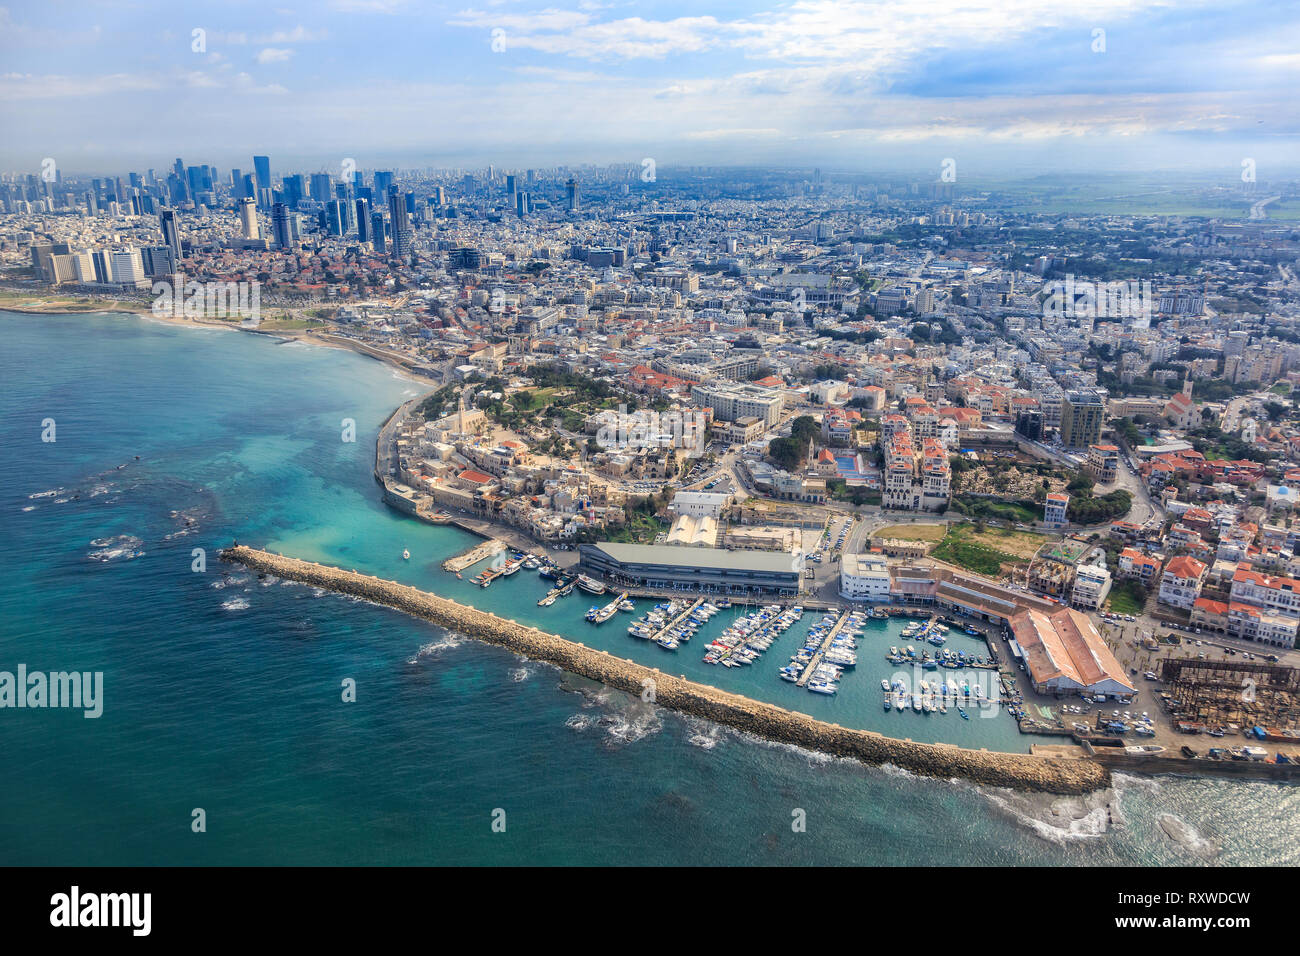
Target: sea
<point>248,720</point>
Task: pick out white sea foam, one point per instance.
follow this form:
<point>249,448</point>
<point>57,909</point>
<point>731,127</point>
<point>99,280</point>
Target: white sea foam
<point>579,722</point>
<point>236,604</point>
<point>29,508</point>
<point>1187,836</point>
<point>520,674</point>
<point>703,733</point>
<point>1058,820</point>
<point>434,648</point>
<point>124,546</point>
<point>46,494</point>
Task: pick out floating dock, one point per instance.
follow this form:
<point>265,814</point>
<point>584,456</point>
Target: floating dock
<point>669,625</point>
<point>562,587</point>
<point>609,610</point>
<point>491,574</point>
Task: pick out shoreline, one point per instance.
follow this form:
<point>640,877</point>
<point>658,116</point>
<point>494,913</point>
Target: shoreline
<point>1028,772</point>
<point>325,339</point>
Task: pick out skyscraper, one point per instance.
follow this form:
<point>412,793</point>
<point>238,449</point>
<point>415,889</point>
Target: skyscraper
<point>171,233</point>
<point>248,219</point>
<point>262,171</point>
<point>335,223</point>
<point>572,189</point>
<point>322,188</point>
<point>294,189</point>
<point>281,227</point>
<point>401,222</point>
<point>363,220</point>
<point>377,231</point>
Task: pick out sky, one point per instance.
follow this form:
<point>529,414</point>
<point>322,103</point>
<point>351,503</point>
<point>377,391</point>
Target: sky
<point>1017,86</point>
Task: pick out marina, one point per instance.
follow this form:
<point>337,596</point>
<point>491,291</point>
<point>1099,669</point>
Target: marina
<point>670,624</point>
<point>745,641</point>
<point>819,674</point>
<point>736,633</point>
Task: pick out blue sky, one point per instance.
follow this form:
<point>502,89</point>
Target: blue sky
<point>878,84</point>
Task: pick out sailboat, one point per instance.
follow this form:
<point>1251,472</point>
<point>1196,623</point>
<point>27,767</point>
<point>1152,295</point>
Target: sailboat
<point>406,555</point>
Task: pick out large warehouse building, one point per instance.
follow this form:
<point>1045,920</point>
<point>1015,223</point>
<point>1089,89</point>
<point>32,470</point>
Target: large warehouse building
<point>1064,654</point>
<point>714,570</point>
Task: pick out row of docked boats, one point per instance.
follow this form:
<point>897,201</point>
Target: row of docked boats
<point>600,615</point>
<point>672,623</point>
<point>744,641</point>
<point>503,570</point>
<point>945,658</point>
<point>564,584</point>
<point>932,696</point>
<point>931,631</point>
<point>828,650</point>
<point>548,569</point>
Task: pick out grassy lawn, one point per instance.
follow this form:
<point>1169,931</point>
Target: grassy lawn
<point>913,532</point>
<point>640,530</point>
<point>992,508</point>
<point>986,553</point>
<point>1127,598</point>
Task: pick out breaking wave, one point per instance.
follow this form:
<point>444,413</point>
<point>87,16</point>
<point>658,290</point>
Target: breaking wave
<point>124,547</point>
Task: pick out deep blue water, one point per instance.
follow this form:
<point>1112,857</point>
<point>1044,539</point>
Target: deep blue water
<point>224,692</point>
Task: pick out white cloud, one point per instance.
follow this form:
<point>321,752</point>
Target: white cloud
<point>274,55</point>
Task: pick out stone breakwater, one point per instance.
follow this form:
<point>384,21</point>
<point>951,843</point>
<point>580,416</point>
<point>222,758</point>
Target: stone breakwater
<point>1018,771</point>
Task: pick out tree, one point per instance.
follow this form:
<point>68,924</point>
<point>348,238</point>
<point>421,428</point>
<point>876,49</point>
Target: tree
<point>786,452</point>
<point>1082,482</point>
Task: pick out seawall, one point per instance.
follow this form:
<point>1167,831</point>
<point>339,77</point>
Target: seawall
<point>1018,771</point>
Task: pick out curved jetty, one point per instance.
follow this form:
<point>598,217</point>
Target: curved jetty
<point>1019,771</point>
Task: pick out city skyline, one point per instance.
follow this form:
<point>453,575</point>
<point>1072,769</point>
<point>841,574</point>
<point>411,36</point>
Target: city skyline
<point>847,85</point>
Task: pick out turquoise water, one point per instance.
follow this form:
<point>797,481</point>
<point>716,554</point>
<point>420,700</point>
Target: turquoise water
<point>223,691</point>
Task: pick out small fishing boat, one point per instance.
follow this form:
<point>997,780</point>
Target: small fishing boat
<point>406,555</point>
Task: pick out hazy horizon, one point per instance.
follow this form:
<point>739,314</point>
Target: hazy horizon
<point>1032,87</point>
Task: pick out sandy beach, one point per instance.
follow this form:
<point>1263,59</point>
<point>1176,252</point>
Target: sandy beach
<point>41,305</point>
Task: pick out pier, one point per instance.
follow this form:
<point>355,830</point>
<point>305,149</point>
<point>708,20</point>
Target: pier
<point>609,610</point>
<point>562,587</point>
<point>821,651</point>
<point>768,721</point>
<point>491,574</point>
<point>675,621</point>
<point>473,555</point>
